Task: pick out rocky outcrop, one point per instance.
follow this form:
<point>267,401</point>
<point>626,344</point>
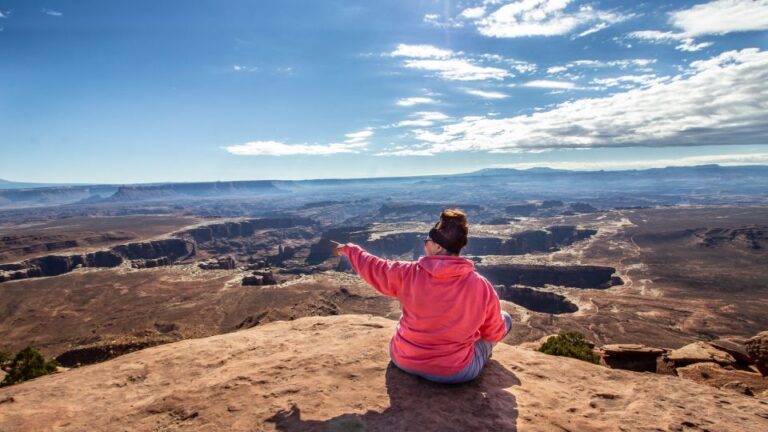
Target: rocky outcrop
<point>715,375</point>
<point>221,263</point>
<point>98,353</point>
<point>757,348</point>
<point>150,263</point>
<point>334,373</point>
<point>735,347</point>
<point>699,352</point>
<point>634,357</point>
<point>141,255</point>
<point>753,237</point>
<point>259,278</point>
<point>54,265</point>
<point>244,228</point>
<point>534,275</point>
<point>537,301</point>
<point>172,248</point>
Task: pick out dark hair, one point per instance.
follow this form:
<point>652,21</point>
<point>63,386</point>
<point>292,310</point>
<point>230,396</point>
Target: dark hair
<point>451,230</point>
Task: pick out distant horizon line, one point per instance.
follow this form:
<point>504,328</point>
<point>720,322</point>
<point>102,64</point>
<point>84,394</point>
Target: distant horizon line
<point>492,168</point>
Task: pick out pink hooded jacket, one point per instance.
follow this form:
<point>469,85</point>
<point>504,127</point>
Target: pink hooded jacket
<point>447,307</point>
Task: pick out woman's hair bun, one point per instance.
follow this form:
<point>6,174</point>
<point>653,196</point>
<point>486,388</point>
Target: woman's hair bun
<point>454,215</point>
<point>453,226</point>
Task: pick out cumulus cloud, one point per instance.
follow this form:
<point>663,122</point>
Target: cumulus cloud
<point>717,17</point>
<point>543,18</point>
<point>417,100</point>
<point>473,13</point>
<point>719,101</point>
<point>721,17</point>
<point>737,159</point>
<point>276,148</point>
<point>486,94</point>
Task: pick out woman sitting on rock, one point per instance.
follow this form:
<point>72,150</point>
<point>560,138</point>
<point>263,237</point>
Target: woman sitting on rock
<point>451,317</point>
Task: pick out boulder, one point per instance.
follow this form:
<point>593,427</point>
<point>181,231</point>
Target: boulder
<point>260,277</point>
<point>734,347</point>
<point>698,352</point>
<point>634,357</point>
<point>757,348</point>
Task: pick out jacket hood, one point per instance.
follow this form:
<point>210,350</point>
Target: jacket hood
<point>446,266</point>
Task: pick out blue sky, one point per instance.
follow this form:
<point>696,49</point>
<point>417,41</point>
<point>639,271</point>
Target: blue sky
<point>147,91</point>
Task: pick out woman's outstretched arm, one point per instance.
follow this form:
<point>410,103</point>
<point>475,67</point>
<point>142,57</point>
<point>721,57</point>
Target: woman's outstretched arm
<point>385,276</point>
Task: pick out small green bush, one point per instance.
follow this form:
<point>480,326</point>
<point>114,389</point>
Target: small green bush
<point>570,344</point>
<point>27,364</point>
<point>5,357</point>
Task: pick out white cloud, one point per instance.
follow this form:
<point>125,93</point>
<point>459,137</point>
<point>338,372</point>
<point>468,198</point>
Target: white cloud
<point>275,148</point>
<point>423,119</point>
<point>455,66</point>
<point>721,17</point>
<point>421,51</point>
<point>473,13</point>
<point>51,12</point>
<point>411,101</point>
<point>639,63</point>
<point>717,17</point>
<point>721,159</point>
<point>458,69</point>
<point>517,65</point>
<point>563,85</point>
<point>719,101</point>
<point>241,68</point>
<point>4,14</point>
<point>690,46</point>
<point>406,152</point>
<point>684,43</point>
<point>629,81</point>
<point>358,137</point>
<point>543,18</point>
<point>594,29</point>
<point>556,69</point>
<point>486,94</point>
<point>434,20</point>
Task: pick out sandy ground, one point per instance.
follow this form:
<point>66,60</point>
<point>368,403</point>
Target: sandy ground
<point>333,374</point>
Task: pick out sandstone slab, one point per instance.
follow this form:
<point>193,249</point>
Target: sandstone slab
<point>333,373</point>
<point>699,352</point>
